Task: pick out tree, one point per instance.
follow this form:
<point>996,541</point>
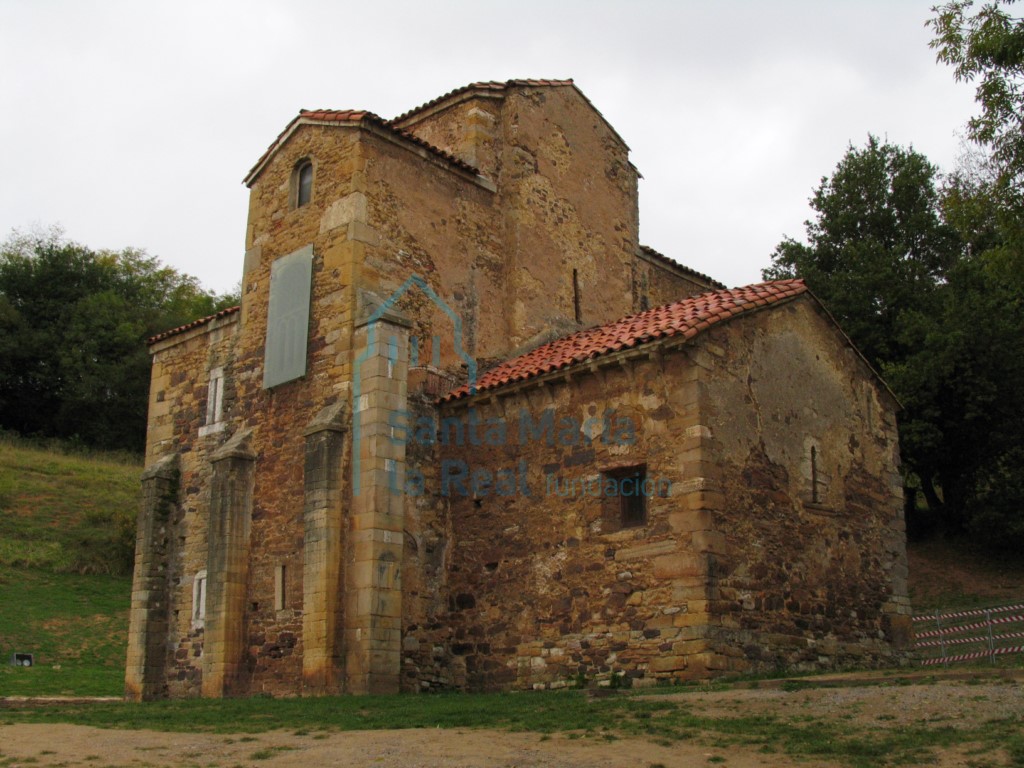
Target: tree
<point>73,325</point>
<point>989,46</point>
<point>929,283</point>
<point>878,247</point>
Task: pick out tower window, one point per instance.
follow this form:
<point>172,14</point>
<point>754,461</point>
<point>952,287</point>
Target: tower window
<point>303,183</point>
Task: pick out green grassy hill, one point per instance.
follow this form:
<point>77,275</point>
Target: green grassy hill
<point>66,541</point>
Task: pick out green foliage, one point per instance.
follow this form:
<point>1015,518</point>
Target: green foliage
<point>989,47</point>
<point>73,325</point>
<point>877,247</point>
<point>929,283</point>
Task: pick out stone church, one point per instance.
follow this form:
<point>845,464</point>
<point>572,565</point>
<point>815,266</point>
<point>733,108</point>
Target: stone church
<point>465,431</point>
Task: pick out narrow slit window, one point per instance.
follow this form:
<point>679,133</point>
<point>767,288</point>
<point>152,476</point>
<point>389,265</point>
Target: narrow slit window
<point>815,495</point>
<point>279,587</point>
<point>215,397</point>
<point>199,599</point>
<point>576,296</point>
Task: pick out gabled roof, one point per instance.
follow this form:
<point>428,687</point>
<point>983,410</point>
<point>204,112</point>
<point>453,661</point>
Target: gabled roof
<point>685,318</point>
<point>490,85</point>
<point>494,87</point>
<point>189,326</point>
<point>669,261</point>
<point>355,117</point>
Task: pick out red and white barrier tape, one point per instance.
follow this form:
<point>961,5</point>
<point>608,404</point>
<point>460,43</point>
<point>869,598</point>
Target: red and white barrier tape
<point>958,640</point>
<point>973,612</point>
<point>972,656</point>
<point>964,627</point>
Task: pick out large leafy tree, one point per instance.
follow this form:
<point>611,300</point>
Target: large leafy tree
<point>73,325</point>
<point>974,365</point>
<point>988,47</point>
<point>878,246</point>
<point>927,282</point>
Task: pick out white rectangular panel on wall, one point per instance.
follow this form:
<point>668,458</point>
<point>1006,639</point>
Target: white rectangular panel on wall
<point>284,357</point>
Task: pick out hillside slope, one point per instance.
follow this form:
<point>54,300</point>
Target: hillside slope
<point>66,540</point>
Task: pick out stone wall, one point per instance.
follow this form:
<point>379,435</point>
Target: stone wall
<point>809,567</point>
<point>738,566</point>
<point>178,430</point>
<point>656,283</point>
<point>544,585</point>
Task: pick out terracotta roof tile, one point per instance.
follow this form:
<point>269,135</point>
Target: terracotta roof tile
<point>193,324</point>
<point>673,263</point>
<point>355,117</point>
<point>685,318</point>
<point>490,85</point>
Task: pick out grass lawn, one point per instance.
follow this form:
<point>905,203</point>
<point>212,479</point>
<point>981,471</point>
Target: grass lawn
<point>76,626</point>
<point>66,539</point>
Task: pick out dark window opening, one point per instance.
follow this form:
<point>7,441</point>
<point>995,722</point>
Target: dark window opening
<point>814,476</point>
<point>576,296</point>
<point>304,184</point>
<point>625,497</point>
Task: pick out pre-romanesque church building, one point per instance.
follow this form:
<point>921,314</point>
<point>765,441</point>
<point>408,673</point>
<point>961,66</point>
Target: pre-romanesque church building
<point>466,431</point>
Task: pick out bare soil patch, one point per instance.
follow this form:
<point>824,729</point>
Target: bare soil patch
<point>868,710</point>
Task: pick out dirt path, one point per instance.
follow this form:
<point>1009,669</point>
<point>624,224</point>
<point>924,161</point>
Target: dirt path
<point>69,745</point>
<point>865,709</point>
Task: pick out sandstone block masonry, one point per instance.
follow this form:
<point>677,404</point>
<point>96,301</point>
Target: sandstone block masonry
<point>707,480</point>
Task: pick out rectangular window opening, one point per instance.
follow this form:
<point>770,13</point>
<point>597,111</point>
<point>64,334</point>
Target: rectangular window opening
<point>625,497</point>
<point>215,397</point>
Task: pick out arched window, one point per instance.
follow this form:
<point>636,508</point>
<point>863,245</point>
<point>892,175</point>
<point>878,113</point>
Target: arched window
<point>303,183</point>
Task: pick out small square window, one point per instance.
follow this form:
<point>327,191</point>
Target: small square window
<point>624,492</point>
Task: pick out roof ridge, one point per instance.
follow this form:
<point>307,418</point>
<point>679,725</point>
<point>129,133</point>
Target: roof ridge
<point>194,324</point>
<point>354,116</point>
<point>686,317</point>
<point>679,265</point>
<point>491,85</point>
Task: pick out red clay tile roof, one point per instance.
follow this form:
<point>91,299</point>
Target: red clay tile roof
<point>194,324</point>
<point>673,263</point>
<point>685,318</point>
<point>354,117</point>
<point>490,85</point>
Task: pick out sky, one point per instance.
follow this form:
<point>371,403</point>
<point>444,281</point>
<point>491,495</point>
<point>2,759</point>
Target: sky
<point>132,124</point>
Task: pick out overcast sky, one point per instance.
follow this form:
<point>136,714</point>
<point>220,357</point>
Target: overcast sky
<point>133,123</point>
